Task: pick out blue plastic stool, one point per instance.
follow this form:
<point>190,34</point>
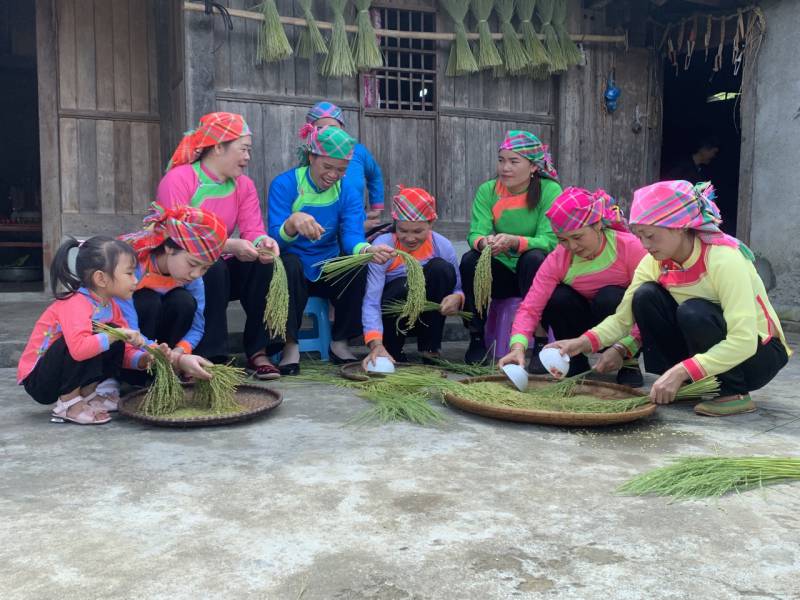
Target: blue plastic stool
<point>499,319</point>
<point>318,338</point>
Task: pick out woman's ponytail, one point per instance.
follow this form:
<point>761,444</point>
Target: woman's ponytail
<point>60,273</point>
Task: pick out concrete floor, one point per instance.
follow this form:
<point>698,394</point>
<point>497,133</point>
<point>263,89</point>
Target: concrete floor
<point>300,505</point>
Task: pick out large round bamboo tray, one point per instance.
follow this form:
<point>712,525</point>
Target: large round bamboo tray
<point>256,400</point>
<point>354,371</point>
<point>600,389</point>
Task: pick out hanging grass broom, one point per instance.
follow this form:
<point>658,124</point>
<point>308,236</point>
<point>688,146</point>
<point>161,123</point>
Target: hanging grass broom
<point>516,58</point>
<point>539,61</point>
<point>165,394</point>
<point>570,51</point>
<point>461,61</point>
<point>544,8</point>
<point>272,42</point>
<point>218,394</point>
<point>339,60</point>
<point>488,56</point>
<point>483,280</point>
<point>366,53</point>
<point>698,477</point>
<point>276,308</point>
<point>310,40</point>
<point>395,309</point>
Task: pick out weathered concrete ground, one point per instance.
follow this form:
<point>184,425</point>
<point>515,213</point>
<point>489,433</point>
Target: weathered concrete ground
<point>299,505</point>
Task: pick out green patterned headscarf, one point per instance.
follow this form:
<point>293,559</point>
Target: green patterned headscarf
<point>326,141</point>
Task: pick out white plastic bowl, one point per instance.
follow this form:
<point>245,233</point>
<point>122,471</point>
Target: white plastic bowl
<point>556,363</point>
<point>517,375</point>
<point>380,365</point>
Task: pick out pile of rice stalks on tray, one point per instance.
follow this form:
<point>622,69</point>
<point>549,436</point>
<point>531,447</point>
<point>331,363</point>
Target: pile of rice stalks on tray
<point>218,394</point>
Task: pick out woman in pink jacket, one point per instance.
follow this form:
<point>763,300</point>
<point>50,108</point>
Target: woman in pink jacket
<point>582,281</point>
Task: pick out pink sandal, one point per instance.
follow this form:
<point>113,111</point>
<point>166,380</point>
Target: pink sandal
<point>87,416</point>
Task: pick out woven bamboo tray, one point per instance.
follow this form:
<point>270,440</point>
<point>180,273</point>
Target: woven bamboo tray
<point>599,389</point>
<point>355,372</point>
<point>256,400</point>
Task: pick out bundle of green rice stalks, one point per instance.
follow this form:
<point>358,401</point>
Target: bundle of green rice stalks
<point>218,394</point>
<point>165,394</point>
<point>702,477</point>
<point>366,53</point>
<point>339,60</point>
<point>570,51</point>
<point>483,280</point>
<point>341,267</point>
<point>539,61</point>
<point>545,9</point>
<point>395,309</point>
<point>461,61</point>
<point>310,40</point>
<point>516,58</point>
<point>276,309</point>
<point>488,56</point>
<point>464,369</point>
<point>272,42</point>
<point>414,304</point>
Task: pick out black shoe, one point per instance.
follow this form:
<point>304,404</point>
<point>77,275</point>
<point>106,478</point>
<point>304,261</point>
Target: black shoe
<point>535,366</point>
<point>630,376</point>
<point>338,360</point>
<point>289,369</point>
<point>476,352</point>
<point>577,365</point>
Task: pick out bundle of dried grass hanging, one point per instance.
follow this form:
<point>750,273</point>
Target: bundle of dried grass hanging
<point>461,61</point>
<point>545,8</point>
<point>310,40</point>
<point>366,53</point>
<point>272,42</point>
<point>539,64</point>
<point>515,57</point>
<point>339,61</point>
<point>488,56</point>
<point>570,51</point>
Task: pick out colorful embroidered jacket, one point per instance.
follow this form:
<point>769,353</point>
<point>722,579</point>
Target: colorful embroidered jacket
<point>379,275</point>
<point>615,265</point>
<point>721,275</point>
<point>72,318</point>
<point>496,210</point>
<point>339,209</point>
<point>234,201</point>
<point>363,172</point>
<point>149,278</point>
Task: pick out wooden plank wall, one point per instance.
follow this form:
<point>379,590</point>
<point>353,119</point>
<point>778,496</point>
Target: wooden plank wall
<point>108,113</point>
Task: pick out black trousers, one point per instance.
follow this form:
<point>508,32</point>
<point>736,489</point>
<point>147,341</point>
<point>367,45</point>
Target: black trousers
<point>440,279</point>
<point>505,282</point>
<point>165,318</point>
<point>672,333</point>
<point>346,295</point>
<point>57,373</point>
<point>228,280</point>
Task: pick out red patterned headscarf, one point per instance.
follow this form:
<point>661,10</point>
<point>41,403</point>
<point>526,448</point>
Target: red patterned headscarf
<point>198,232</point>
<point>413,204</point>
<point>575,208</point>
<point>214,128</point>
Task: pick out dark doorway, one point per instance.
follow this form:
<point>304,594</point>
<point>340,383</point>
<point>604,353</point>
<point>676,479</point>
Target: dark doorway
<point>20,190</point>
<point>702,107</point>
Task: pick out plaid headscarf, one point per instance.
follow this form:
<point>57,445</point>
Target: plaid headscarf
<point>413,204</point>
<point>575,208</point>
<point>214,128</point>
<point>681,205</point>
<point>529,146</point>
<point>325,109</point>
<point>326,141</point>
<point>198,232</point>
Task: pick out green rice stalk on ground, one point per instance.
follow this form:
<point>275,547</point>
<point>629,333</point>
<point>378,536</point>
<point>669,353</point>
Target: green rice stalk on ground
<point>414,304</point>
<point>544,9</point>
<point>272,42</point>
<point>460,61</point>
<point>483,281</point>
<point>395,308</point>
<point>699,477</point>
<point>339,60</point>
<point>218,394</point>
<point>310,40</point>
<point>165,394</point>
<point>539,61</point>
<point>516,59</point>
<point>276,308</point>
<point>570,51</point>
<point>366,53</point>
<point>464,369</point>
<point>488,56</point>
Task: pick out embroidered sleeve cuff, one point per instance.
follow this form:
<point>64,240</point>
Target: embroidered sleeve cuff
<point>371,336</point>
<point>185,346</point>
<point>695,370</point>
<point>104,342</point>
<point>260,239</point>
<point>519,338</point>
<point>378,206</point>
<point>594,339</point>
<point>285,236</point>
<point>136,360</point>
<point>630,345</point>
<point>523,244</point>
<point>359,247</point>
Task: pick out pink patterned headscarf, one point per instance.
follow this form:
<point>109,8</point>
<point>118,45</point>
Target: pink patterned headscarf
<point>529,146</point>
<point>681,205</point>
<point>576,207</point>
